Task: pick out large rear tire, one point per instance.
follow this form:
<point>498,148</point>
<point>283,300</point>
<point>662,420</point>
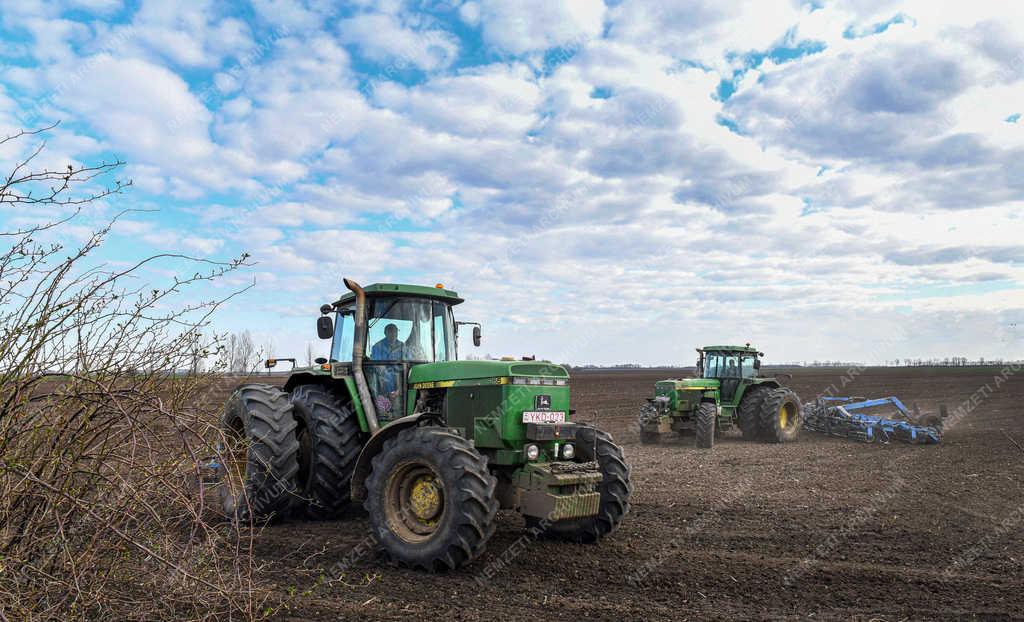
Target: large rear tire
<point>615,488</point>
<point>749,411</point>
<point>706,422</point>
<point>260,461</point>
<point>431,499</point>
<point>780,416</point>
<point>330,440</point>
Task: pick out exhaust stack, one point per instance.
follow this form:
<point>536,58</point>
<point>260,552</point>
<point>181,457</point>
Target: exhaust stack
<point>358,350</point>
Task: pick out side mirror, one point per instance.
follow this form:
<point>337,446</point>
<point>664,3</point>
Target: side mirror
<point>324,327</point>
<point>319,360</point>
<point>757,363</point>
<point>476,336</point>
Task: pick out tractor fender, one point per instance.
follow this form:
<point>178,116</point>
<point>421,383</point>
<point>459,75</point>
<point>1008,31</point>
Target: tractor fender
<point>347,382</point>
<point>374,446</point>
<point>301,378</point>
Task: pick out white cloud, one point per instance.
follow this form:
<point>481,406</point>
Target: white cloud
<point>135,104</point>
<point>825,212</point>
<point>705,31</point>
<point>495,100</point>
<point>206,246</point>
<point>198,34</point>
<point>469,12</point>
<point>383,38</point>
<point>535,25</point>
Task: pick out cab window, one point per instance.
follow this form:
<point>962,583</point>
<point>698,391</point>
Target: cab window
<point>344,331</point>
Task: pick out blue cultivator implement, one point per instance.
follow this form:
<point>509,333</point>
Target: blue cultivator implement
<point>849,417</point>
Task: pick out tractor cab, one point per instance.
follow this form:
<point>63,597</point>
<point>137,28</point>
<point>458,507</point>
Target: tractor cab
<point>729,365</point>
<point>405,326</point>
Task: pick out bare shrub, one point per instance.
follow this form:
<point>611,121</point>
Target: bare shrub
<point>104,418</point>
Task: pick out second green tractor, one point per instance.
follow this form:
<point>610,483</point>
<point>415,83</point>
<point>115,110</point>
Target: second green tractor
<point>728,392</point>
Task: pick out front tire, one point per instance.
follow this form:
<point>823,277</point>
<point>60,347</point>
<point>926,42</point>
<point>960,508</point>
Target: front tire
<point>260,460</point>
<point>780,416</point>
<point>707,420</point>
<point>431,499</point>
<point>615,488</point>
<point>330,439</point>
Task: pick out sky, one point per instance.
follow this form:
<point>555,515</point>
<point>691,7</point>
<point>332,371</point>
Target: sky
<point>603,182</point>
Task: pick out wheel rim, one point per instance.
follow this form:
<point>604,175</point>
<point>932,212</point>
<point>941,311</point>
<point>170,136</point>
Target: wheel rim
<point>786,415</point>
<point>415,501</point>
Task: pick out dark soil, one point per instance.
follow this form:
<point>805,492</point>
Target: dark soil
<point>823,528</point>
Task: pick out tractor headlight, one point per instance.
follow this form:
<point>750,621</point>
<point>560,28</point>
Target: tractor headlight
<point>568,451</point>
<point>532,452</point>
<point>554,382</point>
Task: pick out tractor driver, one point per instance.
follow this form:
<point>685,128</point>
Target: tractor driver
<point>389,348</point>
<point>732,371</point>
<point>385,378</point>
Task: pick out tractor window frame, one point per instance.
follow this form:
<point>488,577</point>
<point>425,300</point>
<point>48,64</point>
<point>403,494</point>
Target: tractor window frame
<point>444,344</point>
<point>429,328</point>
<point>342,342</point>
<point>716,365</point>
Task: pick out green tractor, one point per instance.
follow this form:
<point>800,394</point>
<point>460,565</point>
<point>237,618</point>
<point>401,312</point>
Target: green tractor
<point>728,391</point>
<point>430,445</point>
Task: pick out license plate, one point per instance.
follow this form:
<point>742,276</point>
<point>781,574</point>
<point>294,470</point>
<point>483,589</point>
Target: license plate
<point>544,416</point>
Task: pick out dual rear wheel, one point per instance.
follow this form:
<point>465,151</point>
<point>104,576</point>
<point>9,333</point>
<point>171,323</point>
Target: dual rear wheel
<point>771,414</point>
<point>287,454</point>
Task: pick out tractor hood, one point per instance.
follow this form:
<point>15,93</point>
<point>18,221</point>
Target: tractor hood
<point>688,384</point>
<point>474,370</point>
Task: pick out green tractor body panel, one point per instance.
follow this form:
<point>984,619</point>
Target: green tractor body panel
<point>685,394</point>
<point>491,401</point>
<point>455,371</point>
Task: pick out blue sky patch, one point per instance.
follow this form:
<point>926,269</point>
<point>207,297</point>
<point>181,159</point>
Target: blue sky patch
<point>786,51</point>
<point>728,123</point>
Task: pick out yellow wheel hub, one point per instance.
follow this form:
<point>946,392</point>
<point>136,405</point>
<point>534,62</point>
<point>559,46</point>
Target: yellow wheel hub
<point>414,502</point>
<point>785,414</point>
<point>425,498</point>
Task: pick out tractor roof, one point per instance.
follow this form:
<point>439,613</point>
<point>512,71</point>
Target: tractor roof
<point>394,289</point>
<point>748,349</point>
